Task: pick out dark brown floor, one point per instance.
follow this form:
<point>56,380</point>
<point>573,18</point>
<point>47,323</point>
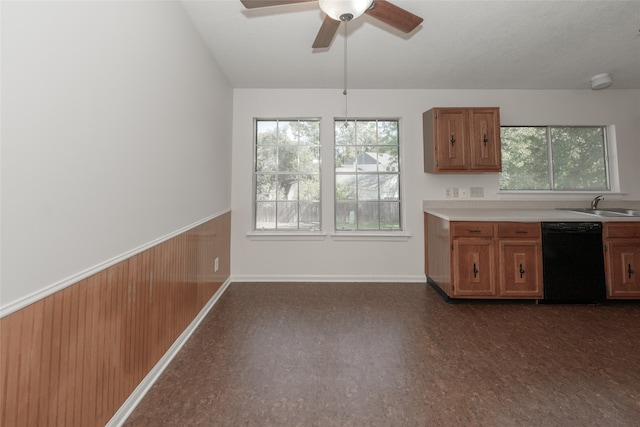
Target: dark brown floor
<point>396,355</point>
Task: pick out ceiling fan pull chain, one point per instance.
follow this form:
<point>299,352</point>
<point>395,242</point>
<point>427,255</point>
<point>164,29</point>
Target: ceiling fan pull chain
<point>344,92</point>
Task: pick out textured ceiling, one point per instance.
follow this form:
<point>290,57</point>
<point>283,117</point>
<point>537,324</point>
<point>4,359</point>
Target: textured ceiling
<point>517,44</point>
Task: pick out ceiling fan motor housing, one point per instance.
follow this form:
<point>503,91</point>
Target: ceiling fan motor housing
<point>344,10</point>
<point>337,11</point>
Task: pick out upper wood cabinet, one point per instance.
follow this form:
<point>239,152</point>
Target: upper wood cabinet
<point>461,140</point>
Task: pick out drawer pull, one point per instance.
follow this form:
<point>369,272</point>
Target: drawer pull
<point>521,232</point>
<point>474,231</point>
<point>630,271</point>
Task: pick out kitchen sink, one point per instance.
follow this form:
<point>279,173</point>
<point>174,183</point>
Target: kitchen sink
<point>615,212</point>
<point>630,212</point>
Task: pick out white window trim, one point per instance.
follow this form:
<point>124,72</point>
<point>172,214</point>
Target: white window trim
<point>353,235</point>
<point>614,175</point>
<point>302,232</point>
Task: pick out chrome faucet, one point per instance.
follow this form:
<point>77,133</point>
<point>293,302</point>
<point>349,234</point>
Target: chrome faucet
<point>595,201</point>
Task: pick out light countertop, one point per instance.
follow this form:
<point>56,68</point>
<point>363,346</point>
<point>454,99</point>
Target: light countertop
<point>519,211</point>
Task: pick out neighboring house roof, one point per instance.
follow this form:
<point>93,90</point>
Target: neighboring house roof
<point>368,161</point>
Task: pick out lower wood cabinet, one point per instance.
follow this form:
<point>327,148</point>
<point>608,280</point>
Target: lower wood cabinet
<point>520,268</point>
<point>469,259</point>
<point>520,250</point>
<point>622,259</point>
<point>487,259</point>
<point>474,267</point>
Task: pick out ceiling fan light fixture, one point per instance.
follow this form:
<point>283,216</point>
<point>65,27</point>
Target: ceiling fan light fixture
<point>344,10</point>
<point>601,81</point>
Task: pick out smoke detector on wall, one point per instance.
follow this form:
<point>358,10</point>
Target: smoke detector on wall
<point>601,81</point>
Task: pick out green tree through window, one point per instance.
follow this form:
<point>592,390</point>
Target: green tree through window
<point>554,158</point>
<point>287,175</point>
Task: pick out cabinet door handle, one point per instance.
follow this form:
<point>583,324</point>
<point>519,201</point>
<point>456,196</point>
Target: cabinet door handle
<point>630,271</point>
<point>485,140</point>
<point>475,270</point>
<point>453,140</point>
<point>521,271</point>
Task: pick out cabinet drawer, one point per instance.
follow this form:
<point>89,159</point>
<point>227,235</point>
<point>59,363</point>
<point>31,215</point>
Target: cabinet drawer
<point>519,229</point>
<point>621,229</point>
<point>472,229</point>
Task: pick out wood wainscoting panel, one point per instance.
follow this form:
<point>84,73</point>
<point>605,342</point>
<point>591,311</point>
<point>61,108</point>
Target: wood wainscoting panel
<point>73,358</point>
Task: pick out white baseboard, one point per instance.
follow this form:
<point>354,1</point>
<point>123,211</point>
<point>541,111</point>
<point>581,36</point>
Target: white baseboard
<point>136,396</point>
<point>313,278</point>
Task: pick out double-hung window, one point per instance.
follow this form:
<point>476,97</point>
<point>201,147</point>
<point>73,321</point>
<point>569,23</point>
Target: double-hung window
<point>554,158</point>
<point>367,175</point>
<point>287,175</point>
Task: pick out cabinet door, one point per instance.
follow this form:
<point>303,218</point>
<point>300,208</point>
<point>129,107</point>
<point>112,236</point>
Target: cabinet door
<point>451,139</point>
<point>520,268</point>
<point>623,268</point>
<point>473,267</point>
<point>484,139</point>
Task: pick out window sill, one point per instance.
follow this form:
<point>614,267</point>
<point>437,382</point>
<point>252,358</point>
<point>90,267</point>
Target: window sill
<point>565,195</point>
<point>270,235</point>
<point>369,236</point>
<point>337,236</point>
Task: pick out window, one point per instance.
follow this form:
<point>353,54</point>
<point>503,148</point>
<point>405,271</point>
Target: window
<point>555,158</point>
<point>287,175</point>
<point>367,175</point>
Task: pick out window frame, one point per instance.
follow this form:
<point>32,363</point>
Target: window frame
<point>351,232</point>
<point>610,183</point>
<point>255,173</point>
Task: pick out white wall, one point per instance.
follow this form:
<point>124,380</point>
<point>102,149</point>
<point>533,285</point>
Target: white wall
<point>116,132</point>
<point>399,260</point>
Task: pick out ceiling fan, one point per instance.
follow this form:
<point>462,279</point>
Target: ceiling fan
<point>337,11</point>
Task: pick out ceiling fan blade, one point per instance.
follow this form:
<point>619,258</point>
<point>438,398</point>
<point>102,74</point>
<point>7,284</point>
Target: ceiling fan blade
<point>393,15</point>
<point>254,4</point>
<point>327,32</point>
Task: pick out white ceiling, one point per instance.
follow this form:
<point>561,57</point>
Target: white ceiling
<point>517,44</point>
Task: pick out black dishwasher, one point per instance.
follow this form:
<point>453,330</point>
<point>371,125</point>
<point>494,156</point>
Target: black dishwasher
<point>573,262</point>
